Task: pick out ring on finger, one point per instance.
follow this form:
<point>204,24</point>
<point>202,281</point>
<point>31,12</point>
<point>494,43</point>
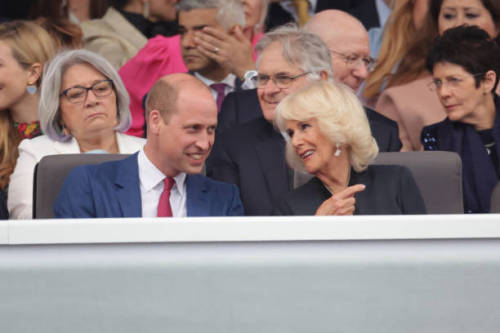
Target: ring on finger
<point>216,50</point>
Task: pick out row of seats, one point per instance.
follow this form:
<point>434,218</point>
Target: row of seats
<point>438,175</point>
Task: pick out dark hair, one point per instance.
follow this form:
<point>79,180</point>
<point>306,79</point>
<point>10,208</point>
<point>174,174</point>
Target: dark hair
<point>493,6</point>
<point>119,4</point>
<point>469,47</point>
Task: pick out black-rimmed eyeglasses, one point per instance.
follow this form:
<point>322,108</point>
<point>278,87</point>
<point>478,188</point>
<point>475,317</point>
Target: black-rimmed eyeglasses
<point>78,94</point>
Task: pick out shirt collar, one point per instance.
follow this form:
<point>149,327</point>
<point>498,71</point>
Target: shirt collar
<point>150,176</point>
<point>229,80</point>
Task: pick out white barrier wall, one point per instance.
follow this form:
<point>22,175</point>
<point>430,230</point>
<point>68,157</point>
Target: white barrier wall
<point>246,275</point>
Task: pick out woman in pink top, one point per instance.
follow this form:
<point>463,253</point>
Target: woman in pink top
<point>162,56</point>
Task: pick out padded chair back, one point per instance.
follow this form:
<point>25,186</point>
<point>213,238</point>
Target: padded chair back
<point>495,199</point>
<point>50,174</point>
<point>438,175</point>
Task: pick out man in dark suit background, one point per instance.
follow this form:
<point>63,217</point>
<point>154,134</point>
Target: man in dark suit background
<point>251,155</point>
<point>349,47</point>
<point>163,178</point>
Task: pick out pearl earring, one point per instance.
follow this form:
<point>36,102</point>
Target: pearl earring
<point>338,151</point>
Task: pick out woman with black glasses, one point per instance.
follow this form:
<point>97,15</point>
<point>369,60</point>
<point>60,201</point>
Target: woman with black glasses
<point>465,67</point>
<point>84,107</point>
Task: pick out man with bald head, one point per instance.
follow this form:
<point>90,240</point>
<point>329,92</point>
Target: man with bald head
<point>349,45</point>
<point>162,179</point>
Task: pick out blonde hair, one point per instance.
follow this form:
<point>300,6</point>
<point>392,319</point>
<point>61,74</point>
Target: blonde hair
<point>403,51</point>
<point>29,44</point>
<point>340,116</point>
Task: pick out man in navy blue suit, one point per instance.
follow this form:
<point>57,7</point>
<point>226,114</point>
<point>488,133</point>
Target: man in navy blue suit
<point>165,172</point>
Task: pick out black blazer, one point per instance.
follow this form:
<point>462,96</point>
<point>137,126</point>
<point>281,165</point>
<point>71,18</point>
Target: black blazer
<point>252,156</point>
<point>243,106</point>
<point>363,10</point>
<point>389,189</point>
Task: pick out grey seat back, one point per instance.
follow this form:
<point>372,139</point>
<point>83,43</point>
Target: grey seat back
<point>438,175</point>
<point>50,174</point>
<point>495,199</point>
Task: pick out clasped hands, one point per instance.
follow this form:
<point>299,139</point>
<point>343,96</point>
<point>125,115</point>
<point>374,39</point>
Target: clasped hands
<point>341,203</point>
<point>232,50</point>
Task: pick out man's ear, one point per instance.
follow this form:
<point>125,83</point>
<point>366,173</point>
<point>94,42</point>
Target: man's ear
<point>488,82</point>
<point>154,122</point>
<point>34,73</point>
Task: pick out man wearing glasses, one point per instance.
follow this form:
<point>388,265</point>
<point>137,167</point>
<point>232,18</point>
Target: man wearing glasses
<point>252,155</point>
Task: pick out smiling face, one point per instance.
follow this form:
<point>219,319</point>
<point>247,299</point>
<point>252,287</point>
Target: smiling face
<point>458,92</point>
<point>314,149</point>
<point>13,79</point>
<point>95,114</point>
<point>190,22</point>
<point>186,138</point>
<point>469,12</point>
<point>271,62</point>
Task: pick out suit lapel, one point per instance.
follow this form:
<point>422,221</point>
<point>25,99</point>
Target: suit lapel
<point>67,147</point>
<point>197,201</point>
<point>270,151</point>
<point>127,187</point>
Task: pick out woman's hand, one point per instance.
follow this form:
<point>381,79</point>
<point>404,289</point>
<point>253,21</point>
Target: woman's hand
<point>231,51</point>
<point>341,203</point>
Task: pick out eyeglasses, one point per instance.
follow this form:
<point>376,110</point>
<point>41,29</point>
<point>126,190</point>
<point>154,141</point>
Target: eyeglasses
<point>355,60</point>
<point>78,94</point>
<point>451,82</point>
<point>281,81</point>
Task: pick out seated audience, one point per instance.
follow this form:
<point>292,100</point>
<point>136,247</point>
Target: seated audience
<point>125,28</point>
<point>24,48</point>
<point>251,155</point>
<point>407,100</point>
<point>465,66</point>
<point>328,135</point>
<point>163,178</point>
<point>347,41</point>
<point>83,108</point>
<point>220,62</point>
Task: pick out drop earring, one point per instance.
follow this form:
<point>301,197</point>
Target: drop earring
<point>31,89</point>
<point>338,151</point>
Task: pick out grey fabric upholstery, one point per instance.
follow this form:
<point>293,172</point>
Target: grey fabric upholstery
<point>495,199</point>
<point>438,175</point>
<point>50,174</point>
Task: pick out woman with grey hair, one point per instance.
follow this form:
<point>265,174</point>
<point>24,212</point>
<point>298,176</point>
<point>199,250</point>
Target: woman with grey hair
<point>83,108</point>
<point>328,135</point>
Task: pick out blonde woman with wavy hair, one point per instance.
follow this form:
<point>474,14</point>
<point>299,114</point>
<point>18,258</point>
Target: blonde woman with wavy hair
<point>24,48</point>
<point>328,135</point>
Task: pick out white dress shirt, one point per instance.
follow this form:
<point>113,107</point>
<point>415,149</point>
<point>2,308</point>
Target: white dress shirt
<point>152,185</point>
<point>229,80</point>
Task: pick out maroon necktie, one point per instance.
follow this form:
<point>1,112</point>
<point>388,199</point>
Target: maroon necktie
<point>164,208</point>
<point>220,89</point>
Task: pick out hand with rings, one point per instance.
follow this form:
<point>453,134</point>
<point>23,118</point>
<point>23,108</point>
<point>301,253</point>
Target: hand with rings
<point>232,50</point>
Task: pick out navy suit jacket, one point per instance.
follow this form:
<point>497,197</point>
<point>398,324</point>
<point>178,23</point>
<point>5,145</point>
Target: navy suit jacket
<point>243,106</point>
<point>252,156</point>
<point>112,189</point>
<point>390,189</point>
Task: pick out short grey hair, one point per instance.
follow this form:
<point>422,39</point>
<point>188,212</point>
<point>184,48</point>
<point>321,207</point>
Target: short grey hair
<point>341,118</point>
<point>49,107</point>
<point>299,48</point>
<point>230,12</point>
